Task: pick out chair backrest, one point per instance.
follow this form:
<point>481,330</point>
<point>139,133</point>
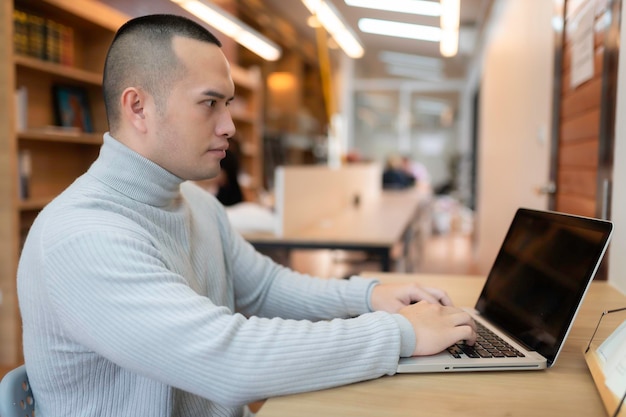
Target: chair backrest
<point>16,397</point>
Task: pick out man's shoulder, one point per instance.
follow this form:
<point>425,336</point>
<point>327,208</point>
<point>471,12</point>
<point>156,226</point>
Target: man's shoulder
<point>82,207</point>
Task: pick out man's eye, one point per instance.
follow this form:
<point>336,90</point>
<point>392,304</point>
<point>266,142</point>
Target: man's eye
<point>211,103</point>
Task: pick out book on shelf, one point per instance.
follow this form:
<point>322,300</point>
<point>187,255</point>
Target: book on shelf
<point>20,32</point>
<point>42,38</point>
<point>21,109</point>
<point>53,41</point>
<point>36,36</point>
<point>25,169</point>
<point>66,44</point>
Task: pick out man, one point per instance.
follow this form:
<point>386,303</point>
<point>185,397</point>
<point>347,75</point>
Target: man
<point>137,296</point>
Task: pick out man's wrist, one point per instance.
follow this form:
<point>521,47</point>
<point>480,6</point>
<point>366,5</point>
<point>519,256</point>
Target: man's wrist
<point>368,295</point>
<point>407,336</point>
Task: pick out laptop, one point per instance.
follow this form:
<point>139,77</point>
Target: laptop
<point>531,296</point>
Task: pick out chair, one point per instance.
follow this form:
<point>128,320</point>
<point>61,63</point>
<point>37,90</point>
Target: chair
<point>16,397</point>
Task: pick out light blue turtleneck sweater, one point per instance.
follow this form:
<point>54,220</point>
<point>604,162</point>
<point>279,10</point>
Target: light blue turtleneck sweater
<point>139,299</point>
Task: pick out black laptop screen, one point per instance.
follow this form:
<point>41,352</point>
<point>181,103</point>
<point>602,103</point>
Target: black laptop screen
<point>541,274</point>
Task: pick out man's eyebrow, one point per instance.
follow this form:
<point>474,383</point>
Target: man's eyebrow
<point>217,94</point>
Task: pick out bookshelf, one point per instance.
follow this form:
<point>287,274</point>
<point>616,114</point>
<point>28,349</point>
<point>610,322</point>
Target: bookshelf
<point>55,157</point>
<point>246,114</point>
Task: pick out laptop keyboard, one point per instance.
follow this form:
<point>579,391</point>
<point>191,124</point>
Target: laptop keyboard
<point>488,345</point>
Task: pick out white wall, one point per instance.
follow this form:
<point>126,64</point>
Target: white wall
<point>515,119</point>
<point>617,261</point>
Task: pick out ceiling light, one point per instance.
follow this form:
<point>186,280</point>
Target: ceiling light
<point>399,29</point>
<point>232,27</point>
<point>450,14</point>
<point>334,24</point>
<point>449,21</point>
<point>449,43</point>
<point>426,8</point>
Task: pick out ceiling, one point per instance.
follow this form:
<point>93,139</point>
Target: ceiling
<point>285,22</point>
<point>473,17</point>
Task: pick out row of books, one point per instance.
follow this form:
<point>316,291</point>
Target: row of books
<point>42,38</point>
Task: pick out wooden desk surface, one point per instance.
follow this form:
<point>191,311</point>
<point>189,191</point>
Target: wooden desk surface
<point>380,223</point>
<point>566,389</point>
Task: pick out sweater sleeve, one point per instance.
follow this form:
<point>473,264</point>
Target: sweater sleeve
<point>297,296</point>
<point>114,296</point>
<point>266,289</point>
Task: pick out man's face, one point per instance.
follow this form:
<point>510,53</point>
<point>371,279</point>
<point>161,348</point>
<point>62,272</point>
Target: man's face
<point>190,135</point>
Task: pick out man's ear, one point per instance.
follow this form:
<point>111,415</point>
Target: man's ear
<point>133,102</point>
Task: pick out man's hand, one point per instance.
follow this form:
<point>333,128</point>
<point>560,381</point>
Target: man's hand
<point>392,297</point>
<point>436,323</point>
<point>437,327</point>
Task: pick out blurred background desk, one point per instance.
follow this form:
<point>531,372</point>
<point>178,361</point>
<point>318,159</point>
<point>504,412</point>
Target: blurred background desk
<point>567,389</point>
<point>390,227</point>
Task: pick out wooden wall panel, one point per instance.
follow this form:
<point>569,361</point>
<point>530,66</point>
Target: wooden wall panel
<point>582,153</point>
<point>574,204</point>
<point>583,126</point>
<point>578,182</point>
<point>579,130</point>
<point>584,115</point>
<point>583,99</point>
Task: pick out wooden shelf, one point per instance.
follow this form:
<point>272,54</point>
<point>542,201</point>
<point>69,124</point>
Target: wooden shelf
<point>246,114</point>
<point>33,204</point>
<point>62,71</point>
<point>43,135</point>
<point>58,156</point>
<point>246,78</point>
<point>243,117</point>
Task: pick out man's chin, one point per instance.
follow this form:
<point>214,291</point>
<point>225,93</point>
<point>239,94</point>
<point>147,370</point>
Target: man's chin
<point>206,176</point>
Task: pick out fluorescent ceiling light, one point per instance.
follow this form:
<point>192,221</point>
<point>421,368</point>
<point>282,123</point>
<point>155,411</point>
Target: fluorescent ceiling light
<point>334,24</point>
<point>401,30</point>
<point>449,21</point>
<point>450,14</point>
<point>232,27</point>
<point>426,8</point>
<point>449,43</point>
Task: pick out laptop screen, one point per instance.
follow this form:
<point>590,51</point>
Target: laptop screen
<point>541,275</point>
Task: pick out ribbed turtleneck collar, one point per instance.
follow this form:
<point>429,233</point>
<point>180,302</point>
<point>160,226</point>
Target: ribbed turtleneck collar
<point>131,174</point>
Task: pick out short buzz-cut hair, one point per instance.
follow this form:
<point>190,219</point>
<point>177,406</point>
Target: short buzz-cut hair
<point>141,55</point>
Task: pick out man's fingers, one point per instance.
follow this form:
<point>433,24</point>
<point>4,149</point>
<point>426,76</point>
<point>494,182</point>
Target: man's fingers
<point>466,333</point>
<point>421,294</point>
<point>460,318</point>
<point>432,295</point>
<point>438,327</point>
<point>441,296</point>
<point>465,325</point>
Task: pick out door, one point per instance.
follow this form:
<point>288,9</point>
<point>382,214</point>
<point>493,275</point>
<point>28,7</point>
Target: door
<point>516,93</point>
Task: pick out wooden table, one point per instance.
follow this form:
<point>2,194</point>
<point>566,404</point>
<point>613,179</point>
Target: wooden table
<point>566,389</point>
<point>376,228</point>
